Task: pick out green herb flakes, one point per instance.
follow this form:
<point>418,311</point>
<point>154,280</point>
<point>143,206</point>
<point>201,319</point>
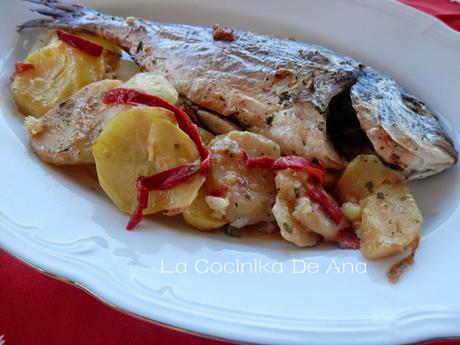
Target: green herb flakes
<point>297,192</point>
<point>370,186</point>
<point>287,227</point>
<point>269,120</point>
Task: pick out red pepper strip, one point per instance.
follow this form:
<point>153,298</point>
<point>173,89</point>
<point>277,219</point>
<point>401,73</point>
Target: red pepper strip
<point>136,97</point>
<point>326,203</point>
<point>169,178</point>
<point>220,191</point>
<point>80,43</point>
<point>21,66</point>
<point>287,162</point>
<point>348,239</point>
<point>162,181</point>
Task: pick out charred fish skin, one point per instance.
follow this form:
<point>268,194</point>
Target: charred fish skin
<point>276,87</point>
<point>401,128</point>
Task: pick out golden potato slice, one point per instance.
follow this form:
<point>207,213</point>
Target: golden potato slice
<point>126,70</point>
<point>291,189</point>
<point>142,142</point>
<point>291,229</point>
<point>65,134</point>
<point>205,135</point>
<point>251,192</point>
<point>59,72</point>
<point>390,221</point>
<point>154,84</point>
<point>46,37</point>
<point>200,215</point>
<point>102,42</point>
<point>362,176</point>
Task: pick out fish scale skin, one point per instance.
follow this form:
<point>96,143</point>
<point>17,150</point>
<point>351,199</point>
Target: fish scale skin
<point>276,87</point>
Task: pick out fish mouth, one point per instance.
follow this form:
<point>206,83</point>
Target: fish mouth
<point>376,116</point>
<point>344,129</point>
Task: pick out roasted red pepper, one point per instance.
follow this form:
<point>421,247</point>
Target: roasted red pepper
<point>169,178</point>
<point>327,204</point>
<point>346,237</point>
<point>296,163</point>
<point>220,191</point>
<point>80,43</point>
<point>22,66</point>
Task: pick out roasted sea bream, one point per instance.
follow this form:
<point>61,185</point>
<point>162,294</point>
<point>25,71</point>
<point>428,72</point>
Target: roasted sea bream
<point>310,100</point>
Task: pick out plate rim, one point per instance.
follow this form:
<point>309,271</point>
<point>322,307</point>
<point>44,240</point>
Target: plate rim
<point>15,250</point>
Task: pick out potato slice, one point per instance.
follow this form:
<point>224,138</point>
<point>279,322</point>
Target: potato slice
<point>390,221</point>
<point>155,84</point>
<point>59,72</point>
<point>126,70</point>
<point>200,215</point>
<point>102,42</point>
<point>362,176</point>
<point>65,134</point>
<point>291,229</point>
<point>142,142</point>
<point>251,192</point>
<point>291,189</point>
<point>205,135</point>
<point>46,37</point>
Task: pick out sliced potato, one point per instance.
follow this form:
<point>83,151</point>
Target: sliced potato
<point>46,37</point>
<point>65,134</point>
<point>250,192</point>
<point>102,42</point>
<point>362,176</point>
<point>286,210</point>
<point>390,221</point>
<point>292,230</point>
<point>144,82</point>
<point>59,72</point>
<point>142,142</point>
<point>126,70</point>
<point>200,215</point>
<point>155,84</point>
<point>381,208</point>
<point>205,135</point>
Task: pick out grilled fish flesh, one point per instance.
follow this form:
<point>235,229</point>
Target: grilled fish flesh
<point>310,100</point>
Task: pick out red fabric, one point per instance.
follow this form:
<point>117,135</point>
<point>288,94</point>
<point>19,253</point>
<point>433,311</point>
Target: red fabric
<point>446,10</point>
<point>36,309</point>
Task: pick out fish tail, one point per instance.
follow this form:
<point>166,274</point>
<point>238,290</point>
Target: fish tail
<point>63,15</point>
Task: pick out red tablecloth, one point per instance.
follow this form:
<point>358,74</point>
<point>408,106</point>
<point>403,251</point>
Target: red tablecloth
<point>36,309</point>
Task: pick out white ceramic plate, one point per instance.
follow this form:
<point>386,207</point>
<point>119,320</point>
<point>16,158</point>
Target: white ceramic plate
<point>60,221</point>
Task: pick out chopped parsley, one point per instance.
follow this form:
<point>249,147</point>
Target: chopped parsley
<point>380,195</point>
<point>370,186</point>
<point>297,192</point>
<point>287,227</point>
<point>404,198</point>
<point>269,120</point>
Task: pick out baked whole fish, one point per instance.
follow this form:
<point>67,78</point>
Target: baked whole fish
<point>310,100</point>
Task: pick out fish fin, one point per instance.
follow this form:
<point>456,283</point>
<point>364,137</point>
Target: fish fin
<point>64,15</point>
